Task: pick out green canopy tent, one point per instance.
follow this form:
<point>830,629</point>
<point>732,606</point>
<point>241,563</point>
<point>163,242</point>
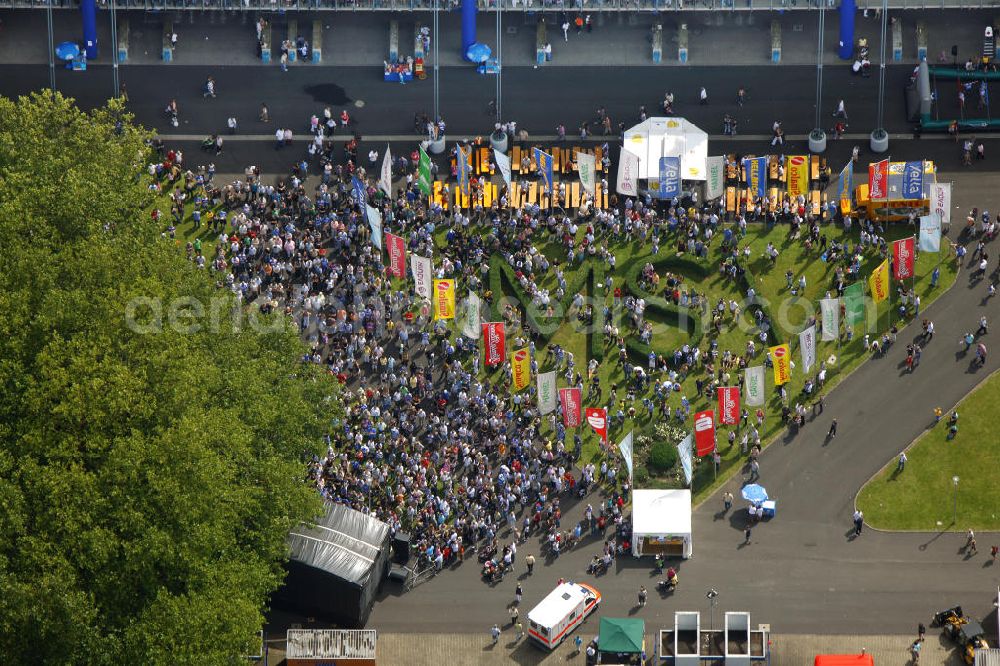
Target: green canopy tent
<point>621,635</point>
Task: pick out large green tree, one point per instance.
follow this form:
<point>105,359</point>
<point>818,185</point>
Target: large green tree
<point>150,458</point>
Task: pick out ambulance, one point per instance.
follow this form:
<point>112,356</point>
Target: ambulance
<point>562,611</point>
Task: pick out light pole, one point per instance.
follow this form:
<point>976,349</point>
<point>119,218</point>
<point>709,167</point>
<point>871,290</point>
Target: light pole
<point>954,510</point>
<point>114,52</point>
<point>880,138</point>
<point>817,138</point>
<point>711,595</point>
<point>52,49</point>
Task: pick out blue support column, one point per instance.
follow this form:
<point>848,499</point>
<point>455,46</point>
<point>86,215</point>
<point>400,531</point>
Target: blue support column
<point>89,11</point>
<point>469,10</point>
<point>848,11</point>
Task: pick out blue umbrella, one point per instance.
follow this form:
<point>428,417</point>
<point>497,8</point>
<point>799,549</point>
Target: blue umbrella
<point>478,52</point>
<point>754,493</point>
<point>67,50</point>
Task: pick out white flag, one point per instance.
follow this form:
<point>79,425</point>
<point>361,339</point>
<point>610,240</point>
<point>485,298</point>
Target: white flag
<point>375,222</point>
<point>753,386</point>
<point>941,202</point>
<point>546,392</point>
<point>471,325</point>
<point>807,342</point>
<point>421,269</point>
<point>830,309</point>
<point>716,177</point>
<point>628,172</point>
<point>625,446</point>
<point>930,233</point>
<point>685,451</point>
<point>385,181</point>
<point>503,163</point>
<point>586,166</point>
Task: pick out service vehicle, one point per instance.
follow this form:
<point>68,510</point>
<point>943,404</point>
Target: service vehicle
<point>560,612</point>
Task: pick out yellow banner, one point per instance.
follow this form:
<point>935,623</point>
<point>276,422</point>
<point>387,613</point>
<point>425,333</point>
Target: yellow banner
<point>798,175</point>
<point>782,357</point>
<point>444,299</point>
<point>520,365</point>
<point>878,282</point>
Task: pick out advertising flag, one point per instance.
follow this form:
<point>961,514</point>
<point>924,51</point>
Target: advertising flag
<point>494,343</point>
<point>941,202</point>
<point>421,269</point>
<point>729,405</point>
<point>463,171</point>
<point>670,177</point>
<point>798,175</point>
<point>704,433</point>
<point>520,366</point>
<point>397,255</point>
<point>625,446</point>
<point>546,392</point>
<point>854,303</point>
<point>375,222</point>
<point>878,282</point>
<point>503,164</point>
<point>830,314</point>
<point>878,180</point>
<point>543,161</point>
<point>444,299</point>
<point>385,180</point>
<point>846,186</point>
<point>597,418</point>
<point>781,357</point>
<point>470,318</point>
<point>930,233</point>
<point>570,399</point>
<point>715,181</point>
<point>756,175</point>
<point>424,178</point>
<point>753,386</point>
<point>360,193</point>
<point>913,180</point>
<point>902,258</point>
<point>807,344</point>
<point>685,451</point>
<point>586,166</point>
<point>628,172</point>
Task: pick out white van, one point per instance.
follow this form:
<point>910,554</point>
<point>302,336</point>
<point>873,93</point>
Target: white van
<point>562,611</point>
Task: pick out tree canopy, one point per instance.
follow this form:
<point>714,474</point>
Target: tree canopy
<point>150,461</point>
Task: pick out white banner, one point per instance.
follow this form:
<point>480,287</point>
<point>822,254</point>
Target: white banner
<point>685,450</point>
<point>807,343</point>
<point>385,181</point>
<point>471,325</point>
<point>503,164</point>
<point>753,386</point>
<point>628,172</point>
<point>930,233</point>
<point>830,309</point>
<point>546,392</point>
<point>375,222</point>
<point>422,278</point>
<point>714,183</point>
<point>625,446</point>
<point>586,166</point>
<point>941,202</point>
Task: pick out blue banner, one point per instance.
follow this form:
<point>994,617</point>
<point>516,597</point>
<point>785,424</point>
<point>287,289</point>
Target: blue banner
<point>463,171</point>
<point>756,170</point>
<point>670,177</point>
<point>361,194</point>
<point>544,163</point>
<point>846,182</point>
<point>913,180</point>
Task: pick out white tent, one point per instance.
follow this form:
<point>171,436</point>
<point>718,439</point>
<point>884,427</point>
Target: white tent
<point>654,138</point>
<point>661,522</point>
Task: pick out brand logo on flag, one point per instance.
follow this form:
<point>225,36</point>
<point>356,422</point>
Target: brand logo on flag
<point>546,392</point>
<point>781,358</point>
<point>807,343</point>
<point>628,166</point>
<point>878,282</point>
<point>704,433</point>
<point>902,253</point>
<point>755,386</point>
<point>798,175</point>
<point>521,369</point>
<point>597,418</point>
<point>729,405</point>
<point>941,201</point>
<point>570,399</point>
<point>878,179</point>
<point>913,180</point>
<point>444,299</point>
<point>494,342</point>
<point>397,255</point>
<point>670,177</point>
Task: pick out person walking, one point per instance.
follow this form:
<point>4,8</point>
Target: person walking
<point>902,462</point>
<point>518,592</point>
<point>727,501</point>
<point>519,628</point>
<point>515,614</point>
<point>495,633</point>
<point>703,96</point>
<point>859,522</point>
<point>841,111</point>
<point>565,29</point>
<point>915,650</point>
<point>209,88</point>
<point>642,596</point>
<point>993,552</point>
<point>577,643</point>
<point>232,124</point>
<point>530,561</point>
<point>833,430</point>
<point>263,116</point>
<point>921,631</point>
<point>747,533</point>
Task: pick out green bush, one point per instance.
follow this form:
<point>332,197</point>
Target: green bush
<point>663,457</point>
<point>640,475</point>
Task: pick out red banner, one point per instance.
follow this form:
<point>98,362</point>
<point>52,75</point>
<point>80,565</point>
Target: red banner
<point>704,433</point>
<point>729,405</point>
<point>570,399</point>
<point>494,343</point>
<point>397,255</point>
<point>878,180</point>
<point>902,258</point>
<point>597,417</point>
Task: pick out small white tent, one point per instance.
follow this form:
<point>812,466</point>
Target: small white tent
<point>654,138</point>
<point>661,523</point>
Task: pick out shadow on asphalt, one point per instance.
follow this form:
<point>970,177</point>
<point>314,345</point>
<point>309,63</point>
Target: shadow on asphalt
<point>934,538</point>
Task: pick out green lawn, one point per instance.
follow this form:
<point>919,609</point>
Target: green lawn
<point>921,497</point>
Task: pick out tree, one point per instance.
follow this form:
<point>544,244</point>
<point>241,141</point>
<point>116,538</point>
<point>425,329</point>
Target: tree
<point>151,449</point>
